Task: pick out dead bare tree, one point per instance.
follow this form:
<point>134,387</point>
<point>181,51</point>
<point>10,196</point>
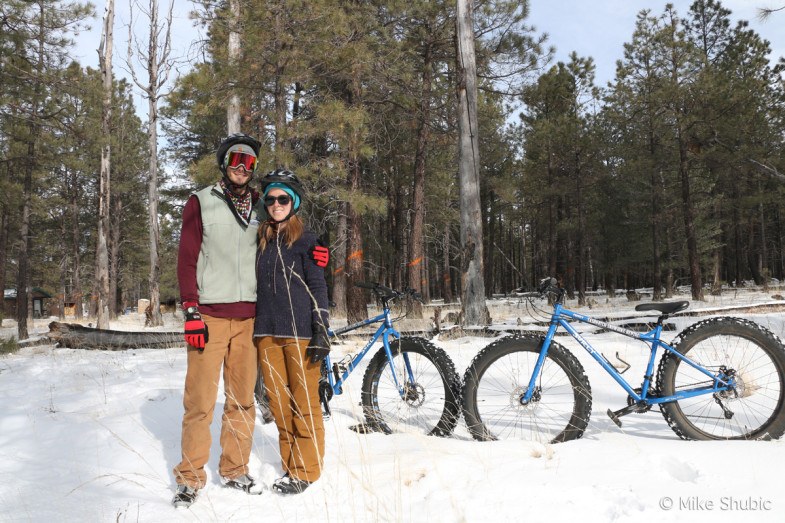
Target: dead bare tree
<point>159,64</point>
<point>102,250</point>
<point>473,308</point>
<point>233,107</point>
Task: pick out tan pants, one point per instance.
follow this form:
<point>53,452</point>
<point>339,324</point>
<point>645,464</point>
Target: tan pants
<point>292,382</point>
<point>230,346</point>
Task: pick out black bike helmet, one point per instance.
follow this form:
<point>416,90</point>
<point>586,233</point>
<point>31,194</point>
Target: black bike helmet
<point>236,141</point>
<point>287,179</point>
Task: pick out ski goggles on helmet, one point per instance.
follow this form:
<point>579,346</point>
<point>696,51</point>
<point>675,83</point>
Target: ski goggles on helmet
<point>237,158</point>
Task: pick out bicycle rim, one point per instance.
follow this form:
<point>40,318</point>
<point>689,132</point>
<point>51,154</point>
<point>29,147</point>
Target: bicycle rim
<point>756,400</point>
<point>546,418</point>
<point>423,403</point>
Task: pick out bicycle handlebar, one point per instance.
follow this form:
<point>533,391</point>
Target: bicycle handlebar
<point>550,287</point>
<point>387,293</point>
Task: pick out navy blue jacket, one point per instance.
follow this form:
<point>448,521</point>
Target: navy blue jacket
<point>291,292</point>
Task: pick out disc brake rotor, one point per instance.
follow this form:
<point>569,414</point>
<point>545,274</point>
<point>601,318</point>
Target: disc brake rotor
<point>414,394</point>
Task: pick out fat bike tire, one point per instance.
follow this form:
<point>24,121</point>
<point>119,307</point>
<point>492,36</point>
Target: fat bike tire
<point>499,376</point>
<point>431,403</point>
<point>756,358</point>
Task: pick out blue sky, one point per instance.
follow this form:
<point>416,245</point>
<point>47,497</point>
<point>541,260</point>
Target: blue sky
<point>599,28</point>
<point>596,28</point>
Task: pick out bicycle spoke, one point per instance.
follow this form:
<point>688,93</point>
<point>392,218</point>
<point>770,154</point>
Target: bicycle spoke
<point>735,348</point>
<point>499,394</point>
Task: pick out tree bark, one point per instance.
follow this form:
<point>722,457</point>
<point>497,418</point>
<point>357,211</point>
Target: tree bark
<point>233,107</point>
<point>580,272</point>
<point>152,184</point>
<point>339,273</point>
<point>696,280</point>
<point>4,228</point>
<point>102,250</point>
<point>356,309</point>
<point>473,308</point>
<point>76,288</point>
<point>114,255</point>
<point>23,269</point>
<point>446,279</point>
<point>23,286</point>
<point>417,280</point>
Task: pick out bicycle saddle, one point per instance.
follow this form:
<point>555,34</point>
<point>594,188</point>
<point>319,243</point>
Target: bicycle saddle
<point>664,308</point>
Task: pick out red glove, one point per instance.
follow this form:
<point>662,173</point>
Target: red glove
<point>196,334</point>
<point>320,254</point>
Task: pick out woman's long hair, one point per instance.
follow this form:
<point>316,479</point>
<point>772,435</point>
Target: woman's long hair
<point>290,232</point>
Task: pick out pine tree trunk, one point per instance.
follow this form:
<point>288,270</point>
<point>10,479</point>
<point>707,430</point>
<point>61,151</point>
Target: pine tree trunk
<point>688,210</point>
<point>114,255</point>
<point>446,278</point>
<point>656,219</point>
<point>580,276</point>
<point>356,309</point>
<point>389,229</point>
<point>76,288</point>
<point>399,231</point>
<point>417,280</point>
<point>753,259</point>
<point>23,271</point>
<point>339,272</point>
<point>23,286</point>
<point>489,235</point>
<point>668,256</point>
<point>4,229</point>
<point>63,266</point>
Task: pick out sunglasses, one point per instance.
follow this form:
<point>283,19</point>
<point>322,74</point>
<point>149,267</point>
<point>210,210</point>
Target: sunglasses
<point>236,159</point>
<point>282,200</point>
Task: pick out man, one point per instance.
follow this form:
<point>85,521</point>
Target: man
<point>216,274</point>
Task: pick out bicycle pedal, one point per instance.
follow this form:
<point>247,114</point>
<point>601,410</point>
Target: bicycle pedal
<point>614,417</point>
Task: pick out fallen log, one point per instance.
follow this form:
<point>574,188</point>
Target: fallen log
<point>75,336</point>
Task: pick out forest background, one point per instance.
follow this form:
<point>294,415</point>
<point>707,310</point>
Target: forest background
<point>671,173</point>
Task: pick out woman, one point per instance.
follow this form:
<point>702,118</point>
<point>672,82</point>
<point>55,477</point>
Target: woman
<point>290,332</point>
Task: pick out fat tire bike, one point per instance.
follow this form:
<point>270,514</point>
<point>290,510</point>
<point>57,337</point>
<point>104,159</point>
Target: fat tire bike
<point>410,384</point>
<point>722,378</point>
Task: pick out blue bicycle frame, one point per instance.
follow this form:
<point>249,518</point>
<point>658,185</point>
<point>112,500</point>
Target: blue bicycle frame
<point>340,372</point>
<point>561,317</point>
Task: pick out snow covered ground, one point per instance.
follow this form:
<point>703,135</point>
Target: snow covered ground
<point>93,436</point>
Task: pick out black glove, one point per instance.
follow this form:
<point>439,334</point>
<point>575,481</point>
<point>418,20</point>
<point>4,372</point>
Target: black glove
<point>319,347</point>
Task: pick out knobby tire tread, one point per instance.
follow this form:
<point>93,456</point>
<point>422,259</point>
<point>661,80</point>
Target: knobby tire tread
<point>446,368</point>
<point>768,342</point>
<point>562,357</point>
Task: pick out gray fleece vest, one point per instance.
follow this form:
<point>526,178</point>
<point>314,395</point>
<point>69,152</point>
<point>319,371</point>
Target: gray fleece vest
<point>225,270</point>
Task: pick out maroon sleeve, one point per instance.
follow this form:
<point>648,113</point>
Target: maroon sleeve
<point>190,245</point>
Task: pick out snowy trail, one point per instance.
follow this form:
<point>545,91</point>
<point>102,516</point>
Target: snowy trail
<point>93,436</point>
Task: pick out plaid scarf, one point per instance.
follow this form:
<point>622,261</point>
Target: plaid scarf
<point>242,204</point>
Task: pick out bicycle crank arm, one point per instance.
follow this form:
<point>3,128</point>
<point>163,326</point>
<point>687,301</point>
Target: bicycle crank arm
<point>629,409</point>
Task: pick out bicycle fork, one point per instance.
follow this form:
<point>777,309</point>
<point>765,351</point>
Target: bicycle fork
<point>407,391</point>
